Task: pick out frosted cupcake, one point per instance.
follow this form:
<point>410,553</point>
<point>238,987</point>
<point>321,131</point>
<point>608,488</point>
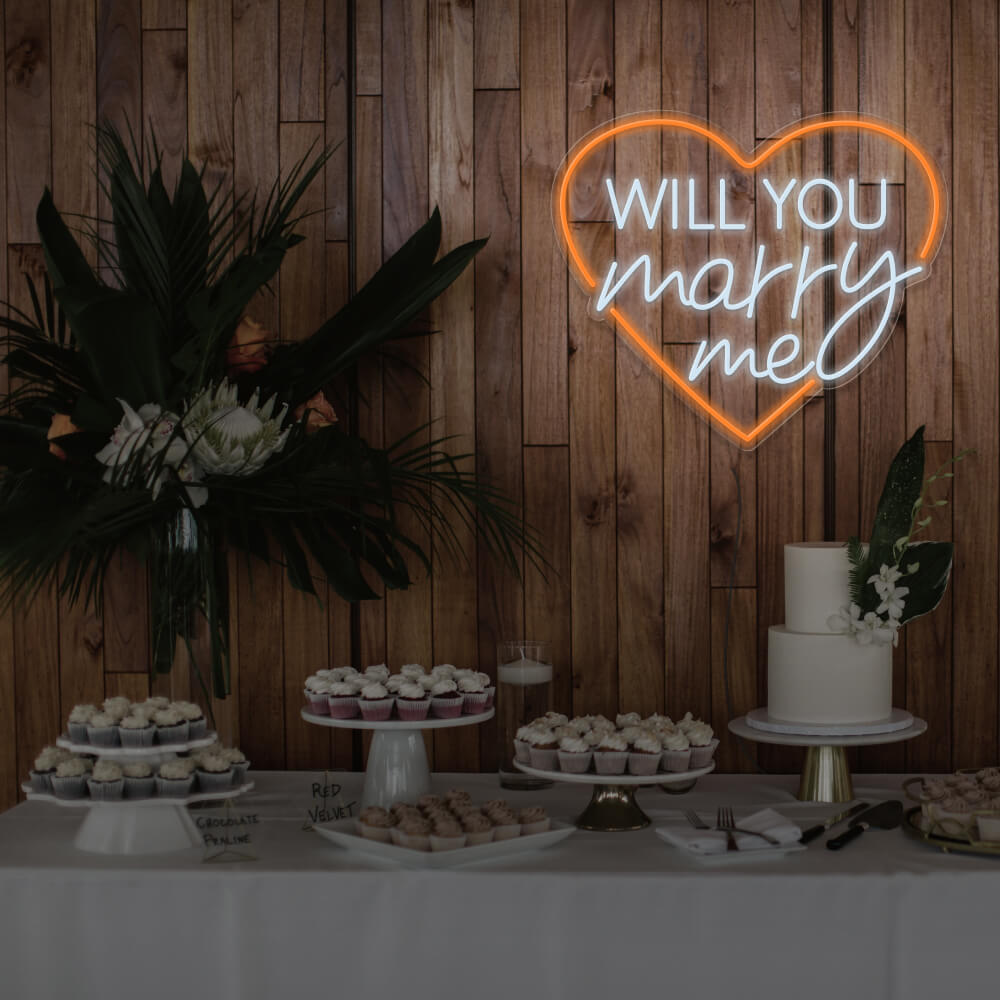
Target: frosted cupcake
<point>703,743</point>
<point>394,682</point>
<point>171,726</point>
<point>215,773</point>
<point>239,763</point>
<point>375,823</point>
<point>377,672</point>
<point>106,782</point>
<point>622,720</point>
<point>375,702</point>
<point>136,731</point>
<point>473,695</point>
<point>543,748</point>
<point>412,701</point>
<point>70,779</point>
<point>534,819</point>
<point>446,700</point>
<point>506,825</point>
<point>447,835</point>
<point>644,758</point>
<point>78,720</point>
<point>574,755</point>
<point>317,692</point>
<point>343,700</point>
<point>156,703</point>
<point>676,756</point>
<point>102,730</point>
<point>412,670</point>
<point>195,717</point>
<point>611,755</point>
<point>522,748</point>
<point>139,780</point>
<point>478,829</point>
<point>175,779</point>
<point>45,767</point>
<point>444,670</point>
<point>117,708</point>
<point>413,832</point>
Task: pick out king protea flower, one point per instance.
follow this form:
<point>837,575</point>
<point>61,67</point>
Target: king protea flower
<point>230,438</point>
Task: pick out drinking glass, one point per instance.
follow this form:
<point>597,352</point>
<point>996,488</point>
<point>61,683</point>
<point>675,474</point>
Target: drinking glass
<point>524,692</point>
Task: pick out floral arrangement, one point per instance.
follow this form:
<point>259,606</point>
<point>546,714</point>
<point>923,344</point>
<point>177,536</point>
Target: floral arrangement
<point>895,579</point>
<point>151,412</point>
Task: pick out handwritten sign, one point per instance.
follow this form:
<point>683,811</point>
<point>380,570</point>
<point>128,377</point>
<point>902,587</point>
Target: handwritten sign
<point>328,803</point>
<point>231,830</point>
<point>757,230</point>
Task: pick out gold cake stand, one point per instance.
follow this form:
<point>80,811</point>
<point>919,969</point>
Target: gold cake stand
<point>826,776</point>
<point>612,807</point>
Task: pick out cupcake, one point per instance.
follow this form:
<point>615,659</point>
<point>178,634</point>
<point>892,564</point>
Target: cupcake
<point>644,756</point>
<point>394,683</point>
<point>676,756</point>
<point>70,779</point>
<point>317,692</point>
<point>553,719</point>
<point>139,780</point>
<point>106,782</point>
<point>478,829</point>
<point>456,795</point>
<point>444,670</point>
<point>703,744</point>
<point>447,835</point>
<point>171,726</point>
<point>339,674</point>
<point>215,773</point>
<point>412,701</point>
<point>473,695</point>
<point>102,730</point>
<point>429,801</point>
<point>378,672</point>
<point>522,748</point>
<point>78,720</point>
<point>543,748</point>
<point>534,819</point>
<point>574,755</point>
<point>45,767</point>
<point>153,705</point>
<point>175,779</point>
<point>375,702</point>
<point>413,832</point>
<point>117,708</point>
<point>611,755</point>
<point>239,764</point>
<point>506,825</point>
<point>376,824</point>
<point>427,681</point>
<point>411,670</point>
<point>446,701</point>
<point>343,700</point>
<point>136,731</point>
<point>195,717</point>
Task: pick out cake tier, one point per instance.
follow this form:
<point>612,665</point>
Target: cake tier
<point>826,678</point>
<point>817,584</point>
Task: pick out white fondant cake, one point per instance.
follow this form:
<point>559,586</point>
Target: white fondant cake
<point>815,675</point>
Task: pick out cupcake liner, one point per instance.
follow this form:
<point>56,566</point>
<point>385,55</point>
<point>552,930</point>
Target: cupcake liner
<point>174,788</point>
<point>139,788</point>
<point>522,751</point>
<point>610,761</point>
<point>41,781</point>
<point>415,841</point>
<point>137,737</point>
<point>342,707</point>
<point>383,834</point>
<point>474,703</point>
<point>446,708</point>
<point>378,710</point>
<point>574,763</point>
<point>544,760</point>
<point>642,764</point>
<point>394,835</point>
<point>215,781</point>
<point>702,756</point>
<point>106,791</point>
<point>172,734</point>
<point>539,826</point>
<point>439,843</point>
<point>74,787</point>
<point>106,736</point>
<point>480,837</point>
<point>413,710</point>
<point>491,695</point>
<point>507,832</point>
<point>197,728</point>
<point>78,732</point>
<point>676,761</point>
<point>319,704</point>
<point>240,773</point>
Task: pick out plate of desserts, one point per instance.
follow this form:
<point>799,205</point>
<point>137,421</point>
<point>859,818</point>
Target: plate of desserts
<point>957,812</point>
<point>445,831</point>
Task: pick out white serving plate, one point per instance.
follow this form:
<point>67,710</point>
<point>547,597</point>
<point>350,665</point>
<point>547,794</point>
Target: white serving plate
<point>117,753</point>
<point>155,801</point>
<point>343,832</point>
<point>592,778</point>
<point>725,857</point>
<point>896,721</point>
<point>396,725</point>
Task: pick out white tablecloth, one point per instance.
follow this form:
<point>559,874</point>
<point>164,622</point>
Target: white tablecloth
<point>600,915</point>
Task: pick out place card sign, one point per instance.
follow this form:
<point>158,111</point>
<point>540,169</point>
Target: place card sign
<point>328,803</point>
<point>801,275</point>
<point>227,831</point>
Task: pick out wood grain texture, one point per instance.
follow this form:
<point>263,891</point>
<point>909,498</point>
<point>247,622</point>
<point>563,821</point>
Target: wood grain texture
<point>119,62</point>
<point>497,44</point>
<point>738,663</point>
<point>301,61</point>
<point>881,85</point>
<point>164,111</point>
<point>337,119</point>
<point>778,58</point>
<point>368,47</point>
<point>210,87</point>
<point>164,14</point>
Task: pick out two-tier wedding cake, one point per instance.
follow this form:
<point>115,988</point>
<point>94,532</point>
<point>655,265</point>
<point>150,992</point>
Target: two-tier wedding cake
<point>816,676</point>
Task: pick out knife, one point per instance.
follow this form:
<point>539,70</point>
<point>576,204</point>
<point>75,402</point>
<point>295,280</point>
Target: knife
<point>884,816</point>
<point>820,828</point>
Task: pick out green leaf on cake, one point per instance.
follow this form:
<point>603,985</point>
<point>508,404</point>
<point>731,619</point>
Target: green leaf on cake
<point>928,584</point>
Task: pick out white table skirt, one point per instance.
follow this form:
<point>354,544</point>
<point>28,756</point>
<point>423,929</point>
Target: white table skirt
<point>599,915</point>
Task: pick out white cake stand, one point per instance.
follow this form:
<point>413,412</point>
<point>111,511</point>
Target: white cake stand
<point>149,755</point>
<point>138,826</point>
<point>612,806</point>
<point>825,774</point>
<point>397,762</point>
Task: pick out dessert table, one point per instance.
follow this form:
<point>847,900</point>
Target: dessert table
<point>598,915</point>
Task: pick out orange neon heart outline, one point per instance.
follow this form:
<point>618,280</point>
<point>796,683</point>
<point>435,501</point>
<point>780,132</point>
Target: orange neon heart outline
<point>796,131</point>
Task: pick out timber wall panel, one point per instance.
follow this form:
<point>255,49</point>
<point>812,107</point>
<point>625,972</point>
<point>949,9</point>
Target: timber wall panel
<point>471,105</point>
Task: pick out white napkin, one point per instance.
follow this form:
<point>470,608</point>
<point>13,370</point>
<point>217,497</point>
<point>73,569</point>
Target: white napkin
<point>714,841</point>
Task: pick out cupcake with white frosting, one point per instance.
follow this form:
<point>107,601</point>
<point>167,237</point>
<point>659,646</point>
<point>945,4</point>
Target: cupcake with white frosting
<point>412,701</point>
<point>117,708</point>
<point>522,746</point>
<point>106,782</point>
<point>139,780</point>
<point>136,730</point>
<point>70,779</point>
<point>342,700</point>
<point>45,767</point>
<point>473,694</point>
<point>171,726</point>
<point>427,681</point>
<point>102,730</point>
<point>624,719</point>
<point>703,743</point>
<point>574,755</point>
<point>394,682</point>
<point>444,670</point>
<point>533,819</point>
<point>375,702</point>
<point>377,672</point>
<point>175,779</point>
<point>478,828</point>
<point>214,773</point>
<point>376,823</point>
<point>543,747</point>
<point>413,832</point>
<point>506,825</point>
<point>611,755</point>
<point>447,835</point>
<point>195,717</point>
<point>446,699</point>
<point>239,763</point>
<point>317,692</point>
<point>676,755</point>
<point>412,670</point>
<point>78,720</point>
<point>644,756</point>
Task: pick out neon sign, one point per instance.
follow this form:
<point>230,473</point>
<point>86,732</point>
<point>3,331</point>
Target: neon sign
<point>768,250</point>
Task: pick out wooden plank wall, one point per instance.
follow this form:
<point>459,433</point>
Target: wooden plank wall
<point>471,105</point>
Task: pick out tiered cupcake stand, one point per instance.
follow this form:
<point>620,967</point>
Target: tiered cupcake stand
<point>826,776</point>
<point>138,826</point>
<point>612,806</point>
<point>397,762</point>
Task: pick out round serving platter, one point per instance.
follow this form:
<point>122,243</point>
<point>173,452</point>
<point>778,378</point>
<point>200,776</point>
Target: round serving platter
<point>612,806</point>
<point>160,801</point>
<point>139,753</point>
<point>899,719</point>
<point>913,824</point>
<point>396,725</point>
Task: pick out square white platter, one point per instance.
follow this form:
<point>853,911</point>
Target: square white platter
<point>725,857</point>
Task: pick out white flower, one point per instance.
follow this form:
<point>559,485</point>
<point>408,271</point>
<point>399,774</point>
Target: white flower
<point>894,603</point>
<point>874,629</point>
<point>846,619</point>
<point>233,439</point>
<point>885,580</point>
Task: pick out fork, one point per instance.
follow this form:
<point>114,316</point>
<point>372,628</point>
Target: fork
<point>695,820</point>
<point>725,820</point>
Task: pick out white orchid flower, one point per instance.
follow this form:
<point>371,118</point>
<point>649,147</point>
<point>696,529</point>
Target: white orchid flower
<point>885,580</point>
<point>894,603</point>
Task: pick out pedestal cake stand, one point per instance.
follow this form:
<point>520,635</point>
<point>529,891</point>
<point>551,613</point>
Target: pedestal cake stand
<point>612,806</point>
<point>825,774</point>
<point>397,762</point>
